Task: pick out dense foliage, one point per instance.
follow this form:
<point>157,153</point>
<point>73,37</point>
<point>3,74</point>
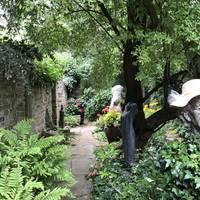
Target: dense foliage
<point>97,103</point>
<point>71,107</point>
<point>49,70</point>
<point>24,63</point>
<point>164,27</point>
<point>167,169</point>
<point>154,43</point>
<point>32,167</point>
<point>87,95</point>
<point>16,60</point>
<point>72,121</point>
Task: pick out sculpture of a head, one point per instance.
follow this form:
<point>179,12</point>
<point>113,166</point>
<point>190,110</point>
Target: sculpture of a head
<point>188,103</point>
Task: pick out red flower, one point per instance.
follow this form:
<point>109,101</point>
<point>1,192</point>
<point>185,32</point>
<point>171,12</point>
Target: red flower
<point>105,109</point>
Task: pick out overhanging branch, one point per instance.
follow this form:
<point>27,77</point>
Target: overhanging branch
<point>84,10</point>
<point>151,11</point>
<point>99,23</point>
<point>109,17</point>
<point>172,79</point>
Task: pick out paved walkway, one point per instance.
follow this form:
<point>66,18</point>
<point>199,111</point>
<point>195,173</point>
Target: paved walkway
<point>82,158</point>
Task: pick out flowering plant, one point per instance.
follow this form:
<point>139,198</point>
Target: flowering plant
<point>112,118</point>
<point>105,110</point>
<point>151,108</point>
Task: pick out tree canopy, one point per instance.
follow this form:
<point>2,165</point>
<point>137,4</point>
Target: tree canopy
<point>153,42</point>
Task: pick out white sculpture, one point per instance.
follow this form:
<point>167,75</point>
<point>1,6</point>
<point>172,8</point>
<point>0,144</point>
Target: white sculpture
<point>188,103</point>
<point>116,98</point>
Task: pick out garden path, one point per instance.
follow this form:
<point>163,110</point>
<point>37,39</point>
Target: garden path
<point>82,158</point>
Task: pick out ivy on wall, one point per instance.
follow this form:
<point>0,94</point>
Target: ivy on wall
<point>23,63</point>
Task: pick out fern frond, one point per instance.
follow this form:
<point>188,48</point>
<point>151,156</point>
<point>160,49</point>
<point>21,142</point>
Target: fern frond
<point>44,143</point>
<point>9,138</point>
<point>23,128</point>
<point>55,194</point>
<point>23,155</point>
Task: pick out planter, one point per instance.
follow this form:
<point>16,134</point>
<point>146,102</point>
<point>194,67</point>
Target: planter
<point>113,134</point>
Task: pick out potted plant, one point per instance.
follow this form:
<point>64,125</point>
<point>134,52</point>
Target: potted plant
<point>111,122</point>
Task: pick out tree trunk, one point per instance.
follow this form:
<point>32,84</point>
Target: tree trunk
<point>154,123</point>
<point>134,91</point>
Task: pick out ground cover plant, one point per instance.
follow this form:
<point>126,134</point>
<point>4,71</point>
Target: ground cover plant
<point>72,121</point>
<point>169,168</point>
<point>32,167</point>
<point>99,134</point>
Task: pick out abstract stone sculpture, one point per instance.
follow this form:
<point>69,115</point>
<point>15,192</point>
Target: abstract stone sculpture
<point>116,98</point>
<point>188,104</point>
<point>128,132</point>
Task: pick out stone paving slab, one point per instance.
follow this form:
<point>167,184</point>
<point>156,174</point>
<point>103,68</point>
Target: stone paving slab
<point>82,158</point>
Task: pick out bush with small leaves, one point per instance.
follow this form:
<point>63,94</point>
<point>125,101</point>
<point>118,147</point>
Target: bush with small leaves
<point>97,103</point>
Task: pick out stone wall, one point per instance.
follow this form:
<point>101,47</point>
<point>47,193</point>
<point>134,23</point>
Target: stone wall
<point>41,103</point>
<point>17,104</point>
<point>59,97</point>
<point>12,103</point>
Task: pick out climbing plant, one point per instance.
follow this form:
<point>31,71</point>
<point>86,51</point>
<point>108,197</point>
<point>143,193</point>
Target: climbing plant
<point>48,70</point>
<point>16,60</point>
<point>24,63</point>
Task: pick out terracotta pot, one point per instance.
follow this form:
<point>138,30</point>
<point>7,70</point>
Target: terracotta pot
<point>113,134</point>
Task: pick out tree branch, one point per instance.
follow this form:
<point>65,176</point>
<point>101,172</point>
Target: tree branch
<point>155,122</point>
<point>172,79</point>
<point>109,17</point>
<point>84,9</point>
<point>151,11</point>
<point>160,117</point>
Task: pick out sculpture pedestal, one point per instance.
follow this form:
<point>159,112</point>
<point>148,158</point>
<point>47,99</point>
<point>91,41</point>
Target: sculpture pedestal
<point>113,134</point>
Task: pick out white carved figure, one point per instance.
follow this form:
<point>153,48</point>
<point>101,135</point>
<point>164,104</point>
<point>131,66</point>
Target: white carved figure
<point>188,103</point>
<point>116,98</point>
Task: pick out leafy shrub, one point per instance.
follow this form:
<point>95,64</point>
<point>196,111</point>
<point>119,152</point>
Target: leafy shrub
<point>100,123</point>
<point>71,107</point>
<point>71,121</point>
<point>41,159</point>
<point>48,69</point>
<point>167,169</point>
<point>97,103</point>
<point>71,76</point>
<point>112,118</point>
<point>88,93</point>
<point>180,159</point>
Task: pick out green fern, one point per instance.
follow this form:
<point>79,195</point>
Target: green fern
<point>13,187</point>
<point>40,158</point>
